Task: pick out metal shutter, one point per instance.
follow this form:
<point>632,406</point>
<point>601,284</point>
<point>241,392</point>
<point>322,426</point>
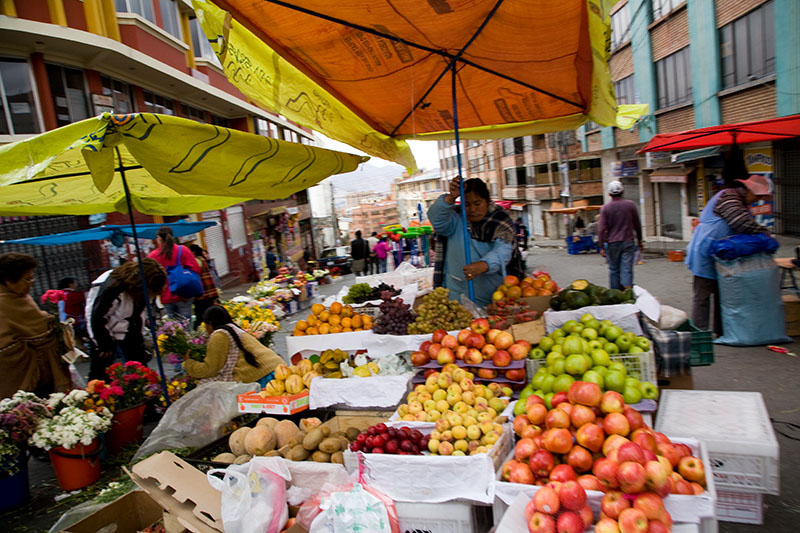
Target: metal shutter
<point>215,243</point>
<point>787,182</point>
<point>236,227</point>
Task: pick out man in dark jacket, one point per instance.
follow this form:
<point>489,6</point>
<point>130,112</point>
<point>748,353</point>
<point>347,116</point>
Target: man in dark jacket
<point>359,251</point>
<point>621,229</point>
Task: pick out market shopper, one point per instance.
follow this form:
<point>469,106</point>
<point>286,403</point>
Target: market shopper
<point>167,254</point>
<point>231,353</point>
<point>359,251</point>
<point>620,229</point>
<point>727,213</point>
<point>210,291</point>
<point>493,242</point>
<point>119,314</point>
<point>29,347</point>
<point>73,306</point>
<point>382,250</point>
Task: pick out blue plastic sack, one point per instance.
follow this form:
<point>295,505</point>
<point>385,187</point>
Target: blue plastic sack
<point>740,245</point>
<point>750,297</point>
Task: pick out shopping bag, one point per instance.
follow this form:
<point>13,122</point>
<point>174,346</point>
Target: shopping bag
<point>182,281</point>
<point>253,495</point>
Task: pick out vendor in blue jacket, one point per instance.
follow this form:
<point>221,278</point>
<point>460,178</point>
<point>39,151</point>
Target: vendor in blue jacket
<point>493,242</point>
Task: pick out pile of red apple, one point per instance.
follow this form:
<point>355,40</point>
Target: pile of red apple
<point>594,439</point>
<point>381,438</point>
<point>474,346</point>
<point>561,508</point>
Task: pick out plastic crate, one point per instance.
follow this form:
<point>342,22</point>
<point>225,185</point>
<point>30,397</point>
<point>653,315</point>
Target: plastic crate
<point>736,428</point>
<point>447,517</point>
<point>641,366</point>
<point>742,507</point>
<point>702,344</point>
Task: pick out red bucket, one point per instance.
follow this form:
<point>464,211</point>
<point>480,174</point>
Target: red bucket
<point>126,427</point>
<point>76,467</point>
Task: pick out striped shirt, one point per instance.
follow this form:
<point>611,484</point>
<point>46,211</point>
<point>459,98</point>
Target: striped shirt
<point>732,208</point>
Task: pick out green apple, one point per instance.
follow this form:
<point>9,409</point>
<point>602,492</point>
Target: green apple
<point>559,342</point>
<point>563,383</point>
<point>635,349</point>
<point>624,343</point>
<point>592,376</point>
<point>547,383</point>
<point>520,407</point>
<point>538,379</point>
<point>573,344</point>
<point>589,334</point>
<point>632,395</point>
<point>631,382</point>
<point>643,343</point>
<point>576,329</point>
<point>527,391</point>
<point>635,374</point>
<point>548,400</point>
<point>558,348</point>
<point>557,333</point>
<point>546,343</point>
<point>611,348</point>
<point>615,381</point>
<point>557,367</point>
<point>594,324</point>
<point>586,318</point>
<point>552,356</point>
<point>612,333</point>
<point>542,369</point>
<point>537,353</point>
<point>619,367</point>
<point>600,358</point>
<point>602,370</point>
<point>568,325</point>
<point>576,364</point>
<point>586,348</point>
<point>649,391</point>
<point>589,361</point>
<point>596,345</point>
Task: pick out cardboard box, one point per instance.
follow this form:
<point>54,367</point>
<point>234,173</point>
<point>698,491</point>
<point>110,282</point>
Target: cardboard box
<point>134,511</point>
<point>181,489</point>
<point>537,303</point>
<point>532,331</point>
<point>791,311</point>
<point>252,402</point>
<point>684,382</point>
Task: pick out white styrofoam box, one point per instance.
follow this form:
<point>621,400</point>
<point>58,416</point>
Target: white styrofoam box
<point>448,517</point>
<point>695,509</point>
<point>742,507</point>
<point>737,431</point>
<point>623,315</point>
<point>643,364</point>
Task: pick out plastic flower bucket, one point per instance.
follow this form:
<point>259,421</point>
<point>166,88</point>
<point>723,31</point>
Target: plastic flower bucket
<point>76,467</point>
<point>14,487</point>
<point>126,427</point>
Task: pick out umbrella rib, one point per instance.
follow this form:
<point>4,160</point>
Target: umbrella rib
<point>449,56</point>
<point>71,175</point>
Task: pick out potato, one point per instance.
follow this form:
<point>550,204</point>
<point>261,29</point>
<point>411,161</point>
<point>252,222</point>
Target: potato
<point>337,457</point>
<point>273,453</point>
<point>312,440</point>
<point>352,433</point>
<point>268,421</point>
<point>321,457</point>
<point>326,430</point>
<point>308,424</point>
<point>242,459</point>
<point>227,458</point>
<point>298,453</point>
<point>236,441</point>
<point>330,445</point>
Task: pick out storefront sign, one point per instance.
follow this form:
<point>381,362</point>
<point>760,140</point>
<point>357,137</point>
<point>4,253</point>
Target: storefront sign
<point>759,161</point>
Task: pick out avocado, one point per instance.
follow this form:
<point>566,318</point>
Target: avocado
<point>613,296</point>
<point>576,299</point>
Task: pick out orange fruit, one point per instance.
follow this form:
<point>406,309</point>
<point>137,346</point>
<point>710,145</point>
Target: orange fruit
<point>511,281</point>
<point>336,329</point>
<point>347,330</point>
<point>528,280</point>
<point>497,296</point>
<point>545,292</point>
<point>301,326</point>
<point>312,331</point>
<point>317,308</point>
<point>336,308</point>
<point>298,333</point>
<point>357,322</point>
<point>334,320</point>
<point>538,283</point>
<point>312,321</point>
<point>514,292</point>
<point>347,322</point>
<point>544,277</point>
<point>347,311</point>
<point>528,291</point>
<point>324,329</point>
<point>324,316</point>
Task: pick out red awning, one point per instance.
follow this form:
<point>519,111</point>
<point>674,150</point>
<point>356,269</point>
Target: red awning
<point>773,129</point>
<point>505,204</point>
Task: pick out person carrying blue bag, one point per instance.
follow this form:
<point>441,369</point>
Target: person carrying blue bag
<point>726,214</point>
<point>183,274</point>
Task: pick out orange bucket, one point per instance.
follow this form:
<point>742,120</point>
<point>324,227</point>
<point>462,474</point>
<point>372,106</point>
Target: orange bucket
<point>126,427</point>
<point>675,256</point>
<point>76,467</point>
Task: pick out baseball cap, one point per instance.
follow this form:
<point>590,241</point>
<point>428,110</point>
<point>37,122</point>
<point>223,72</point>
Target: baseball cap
<point>615,188</point>
<point>758,185</point>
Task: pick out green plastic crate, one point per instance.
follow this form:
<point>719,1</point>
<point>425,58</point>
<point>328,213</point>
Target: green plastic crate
<point>702,344</point>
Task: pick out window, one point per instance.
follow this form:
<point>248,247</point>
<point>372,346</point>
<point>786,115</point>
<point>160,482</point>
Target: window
<point>202,48</point>
<point>171,18</point>
<point>490,161</point>
<point>220,121</point>
<point>476,164</point>
<point>120,92</point>
<point>143,8</point>
<point>626,91</point>
<point>69,94</point>
<point>472,144</point>
<point>18,111</point>
<point>621,26</point>
<point>663,7</point>
<point>542,176</point>
<point>236,228</point>
<point>493,187</point>
<point>513,146</point>
<point>527,143</point>
<point>592,125</point>
<point>198,115</point>
<point>154,103</point>
<point>267,128</point>
<point>674,79</point>
<point>515,176</point>
<point>747,47</point>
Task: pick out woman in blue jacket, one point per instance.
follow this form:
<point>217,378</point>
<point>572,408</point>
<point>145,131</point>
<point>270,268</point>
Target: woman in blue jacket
<point>493,242</point>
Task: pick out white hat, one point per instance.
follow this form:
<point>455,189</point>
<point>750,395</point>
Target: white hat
<point>615,188</point>
<point>758,185</point>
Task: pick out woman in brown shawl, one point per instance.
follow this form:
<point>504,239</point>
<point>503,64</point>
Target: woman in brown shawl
<point>29,349</point>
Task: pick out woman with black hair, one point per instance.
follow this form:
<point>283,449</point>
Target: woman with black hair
<point>210,291</point>
<point>231,353</point>
<point>493,242</point>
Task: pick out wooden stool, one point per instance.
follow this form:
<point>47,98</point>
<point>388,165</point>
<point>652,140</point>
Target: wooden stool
<point>787,274</point>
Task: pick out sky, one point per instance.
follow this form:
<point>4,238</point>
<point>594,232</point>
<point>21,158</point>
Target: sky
<point>425,152</point>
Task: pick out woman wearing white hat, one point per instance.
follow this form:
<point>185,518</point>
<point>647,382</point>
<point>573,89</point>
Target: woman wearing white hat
<point>727,213</point>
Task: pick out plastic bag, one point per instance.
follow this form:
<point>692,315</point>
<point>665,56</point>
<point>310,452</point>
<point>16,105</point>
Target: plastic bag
<point>197,418</point>
<point>671,317</point>
<point>253,495</point>
<point>750,298</point>
<point>349,508</point>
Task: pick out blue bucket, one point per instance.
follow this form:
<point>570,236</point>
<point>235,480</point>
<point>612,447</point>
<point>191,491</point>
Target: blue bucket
<point>15,488</point>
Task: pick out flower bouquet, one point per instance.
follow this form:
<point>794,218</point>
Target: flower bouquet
<point>259,322</point>
<point>51,298</point>
<point>177,387</point>
<point>134,379</point>
<point>19,418</point>
<point>70,424</point>
<point>262,288</point>
<point>283,295</point>
<point>176,338</point>
<point>101,395</point>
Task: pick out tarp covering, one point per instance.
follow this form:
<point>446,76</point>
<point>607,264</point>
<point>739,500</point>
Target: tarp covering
<point>111,231</point>
<point>175,166</point>
<point>773,129</point>
<point>372,74</point>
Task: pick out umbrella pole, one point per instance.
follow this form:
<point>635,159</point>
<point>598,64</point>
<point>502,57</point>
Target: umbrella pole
<point>151,321</point>
<point>467,251</point>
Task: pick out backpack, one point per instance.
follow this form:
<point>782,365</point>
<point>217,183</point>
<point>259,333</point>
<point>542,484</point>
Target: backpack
<point>183,282</point>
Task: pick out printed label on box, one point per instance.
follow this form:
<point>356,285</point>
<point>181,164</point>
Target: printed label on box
<point>252,402</point>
